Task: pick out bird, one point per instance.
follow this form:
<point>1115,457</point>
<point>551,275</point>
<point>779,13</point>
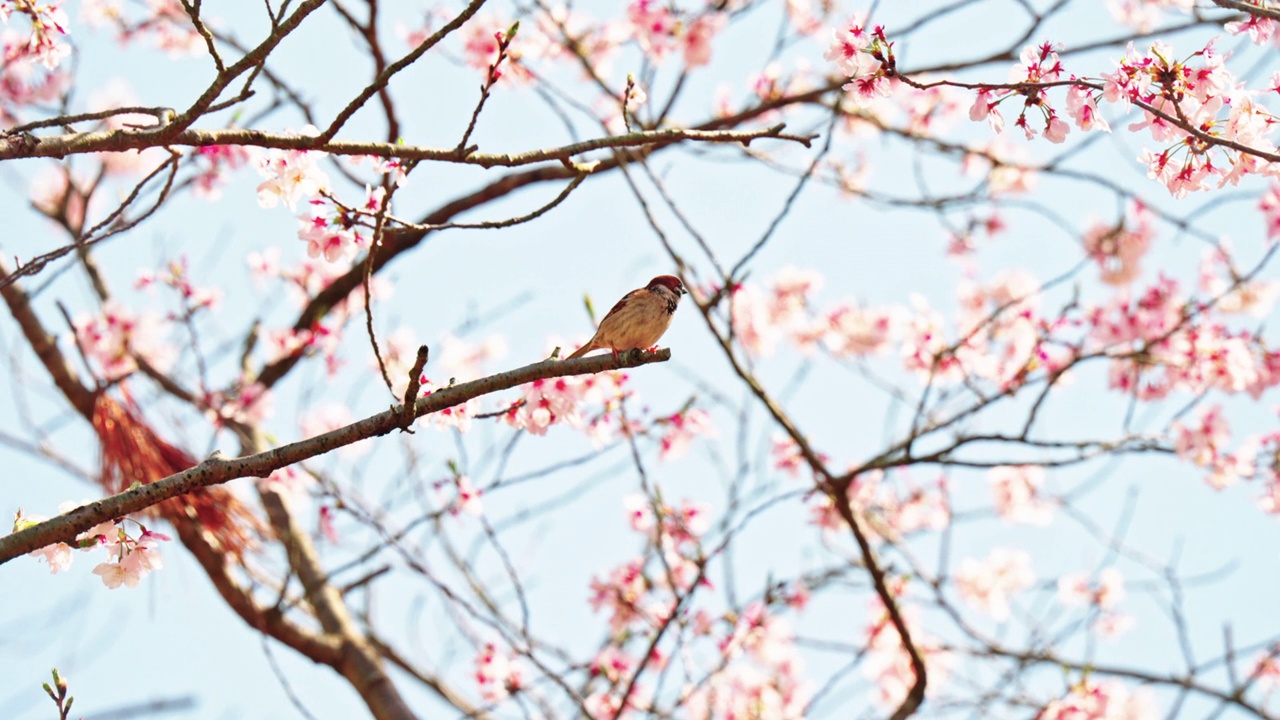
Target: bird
<point>639,319</point>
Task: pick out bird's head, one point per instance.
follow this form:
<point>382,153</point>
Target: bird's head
<point>670,282</point>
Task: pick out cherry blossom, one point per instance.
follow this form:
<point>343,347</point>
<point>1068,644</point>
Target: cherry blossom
<point>681,429</point>
<point>1018,496</point>
<point>466,497</point>
<point>291,175</point>
<point>1261,30</point>
<point>58,555</point>
<point>888,665</point>
<point>1218,279</point>
<point>698,36</point>
<point>622,594</point>
<point>862,54</point>
<point>117,336</point>
<point>988,585</point>
<point>1267,670</point>
<point>217,162</point>
<point>1105,700</point>
<point>497,673</point>
<point>1076,589</point>
<point>612,663</point>
<point>654,26</point>
<point>1118,249</point>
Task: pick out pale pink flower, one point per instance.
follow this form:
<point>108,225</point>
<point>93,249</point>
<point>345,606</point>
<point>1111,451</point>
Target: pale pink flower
<point>653,26</point>
<point>546,402</point>
<point>1018,495</point>
<point>457,417</point>
<point>142,558</point>
<point>803,17</point>
<point>698,37</point>
<point>1267,670</point>
<point>611,663</point>
<point>640,513</point>
<point>848,49</point>
<point>1218,279</point>
<point>1076,589</point>
<point>115,574</point>
<point>468,497</point>
<point>114,338</point>
<point>680,430</point>
<point>1106,700</point>
<point>57,555</point>
<point>328,239</point>
<point>622,594</point>
<point>786,455</point>
<point>1055,128</point>
<point>1201,443</point>
<point>497,673</point>
<point>1119,249</point>
<point>1260,29</point>
<point>984,108</point>
<point>853,331</point>
<point>291,175</point>
<point>1083,110</point>
<point>464,360</point>
<point>1113,625</point>
<point>989,584</point>
<point>1144,15</point>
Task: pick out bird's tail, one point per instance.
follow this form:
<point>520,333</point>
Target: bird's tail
<point>581,351</point>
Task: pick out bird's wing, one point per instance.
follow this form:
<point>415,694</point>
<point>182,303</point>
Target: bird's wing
<point>625,299</point>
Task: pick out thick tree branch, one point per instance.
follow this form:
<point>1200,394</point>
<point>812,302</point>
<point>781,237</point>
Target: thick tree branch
<point>213,471</point>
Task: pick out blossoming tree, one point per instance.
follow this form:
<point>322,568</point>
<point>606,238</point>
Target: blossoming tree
<point>981,356</point>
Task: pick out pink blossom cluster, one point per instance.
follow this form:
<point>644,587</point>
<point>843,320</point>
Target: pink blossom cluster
<point>1143,15</point>
<point>1204,443</point>
<point>1090,699</point>
<point>245,402</point>
<point>1002,336</point>
<point>291,175</point>
<point>497,673</point>
<point>680,429</point>
<point>1204,95</point>
<point>1160,341</point>
<point>466,496</point>
<point>1038,64</point>
<point>164,23</point>
<point>1260,28</point>
<point>888,510</point>
<point>888,665</point>
<point>215,163</point>
<point>177,276</point>
<point>1267,670</point>
<point>783,309</point>
<point>29,73</point>
<point>116,338</point>
<point>865,56</point>
<point>1211,126</point>
<point>1018,494</point>
<point>1103,595</point>
<point>637,598</point>
<point>544,403</point>
<point>658,28</point>
<point>457,417</point>
<point>1118,249</point>
<point>130,558</point>
<point>762,673</point>
<point>989,584</point>
<point>1219,279</point>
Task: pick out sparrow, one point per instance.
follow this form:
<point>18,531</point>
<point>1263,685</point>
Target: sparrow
<point>639,319</point>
